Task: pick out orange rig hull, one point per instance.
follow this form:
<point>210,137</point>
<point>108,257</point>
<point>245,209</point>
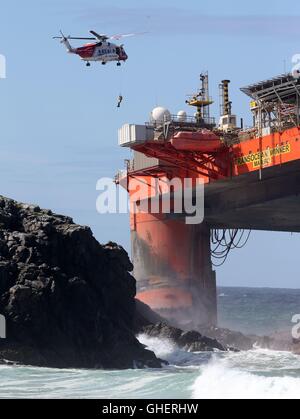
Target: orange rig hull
<point>173,267</point>
<point>173,259</point>
<point>272,150</point>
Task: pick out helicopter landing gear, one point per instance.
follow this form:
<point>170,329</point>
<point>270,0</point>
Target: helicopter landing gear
<point>88,64</point>
<point>119,64</point>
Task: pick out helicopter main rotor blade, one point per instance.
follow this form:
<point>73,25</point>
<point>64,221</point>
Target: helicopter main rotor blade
<point>99,37</point>
<point>72,37</point>
<point>126,35</point>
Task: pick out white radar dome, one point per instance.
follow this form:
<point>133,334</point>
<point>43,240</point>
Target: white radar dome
<point>160,115</point>
<point>181,116</point>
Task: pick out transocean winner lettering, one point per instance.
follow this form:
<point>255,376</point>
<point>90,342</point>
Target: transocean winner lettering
<point>264,158</point>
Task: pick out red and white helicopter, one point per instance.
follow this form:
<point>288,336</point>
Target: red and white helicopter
<point>102,50</point>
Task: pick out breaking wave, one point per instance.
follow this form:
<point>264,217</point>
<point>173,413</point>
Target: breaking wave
<point>254,374</point>
<point>257,374</point>
<point>168,351</point>
<point>218,381</point>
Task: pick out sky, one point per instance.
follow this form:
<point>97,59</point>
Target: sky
<point>59,119</point>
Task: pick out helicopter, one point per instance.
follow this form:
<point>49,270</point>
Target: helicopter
<point>102,50</point>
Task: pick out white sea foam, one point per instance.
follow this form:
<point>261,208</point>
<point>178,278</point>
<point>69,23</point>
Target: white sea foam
<point>253,374</point>
<point>221,379</point>
<point>161,347</point>
<point>168,351</point>
<point>257,374</point>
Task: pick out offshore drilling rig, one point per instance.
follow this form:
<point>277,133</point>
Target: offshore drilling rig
<point>252,181</point>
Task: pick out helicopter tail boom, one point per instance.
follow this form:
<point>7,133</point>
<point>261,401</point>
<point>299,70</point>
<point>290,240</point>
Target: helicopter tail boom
<point>68,46</point>
<point>65,41</point>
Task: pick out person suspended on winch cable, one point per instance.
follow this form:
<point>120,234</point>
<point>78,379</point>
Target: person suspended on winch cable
<point>120,100</point>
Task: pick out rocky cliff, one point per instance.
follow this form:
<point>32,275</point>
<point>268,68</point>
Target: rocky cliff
<point>67,300</point>
<point>191,341</point>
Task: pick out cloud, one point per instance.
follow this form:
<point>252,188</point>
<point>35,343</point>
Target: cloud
<point>175,21</point>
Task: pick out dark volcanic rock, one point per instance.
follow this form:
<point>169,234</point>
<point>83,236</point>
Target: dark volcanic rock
<point>230,338</point>
<point>145,316</point>
<point>278,341</point>
<point>68,301</point>
<point>149,322</point>
<point>189,341</point>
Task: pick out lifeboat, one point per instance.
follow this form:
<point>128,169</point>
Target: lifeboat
<point>204,141</point>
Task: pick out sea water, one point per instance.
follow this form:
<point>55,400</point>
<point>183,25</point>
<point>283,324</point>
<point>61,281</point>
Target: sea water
<point>253,374</point>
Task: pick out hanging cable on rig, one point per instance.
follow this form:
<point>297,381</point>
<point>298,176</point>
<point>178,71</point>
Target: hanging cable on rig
<point>223,241</point>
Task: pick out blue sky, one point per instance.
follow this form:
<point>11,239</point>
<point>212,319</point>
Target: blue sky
<point>59,119</point>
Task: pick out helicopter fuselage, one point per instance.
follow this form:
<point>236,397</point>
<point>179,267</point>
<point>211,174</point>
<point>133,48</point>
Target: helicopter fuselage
<point>101,51</point>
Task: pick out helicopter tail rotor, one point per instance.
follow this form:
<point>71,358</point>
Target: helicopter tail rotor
<point>63,37</point>
<point>65,40</point>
